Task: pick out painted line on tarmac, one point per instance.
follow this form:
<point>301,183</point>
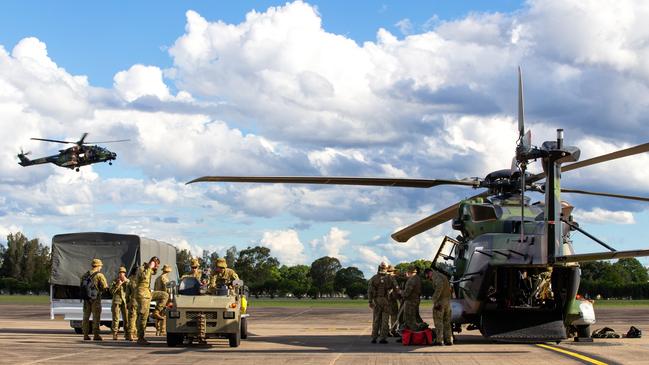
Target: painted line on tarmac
<point>582,357</point>
<point>58,357</point>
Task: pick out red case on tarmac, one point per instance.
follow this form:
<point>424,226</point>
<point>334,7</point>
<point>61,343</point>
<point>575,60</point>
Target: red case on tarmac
<point>424,337</point>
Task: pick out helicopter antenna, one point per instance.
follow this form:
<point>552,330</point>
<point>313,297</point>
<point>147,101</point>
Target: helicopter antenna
<point>521,147</point>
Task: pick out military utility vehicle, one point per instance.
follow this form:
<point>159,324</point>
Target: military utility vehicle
<point>198,313</point>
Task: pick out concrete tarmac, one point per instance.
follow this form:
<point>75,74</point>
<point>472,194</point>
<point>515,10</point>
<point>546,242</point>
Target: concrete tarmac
<point>306,336</point>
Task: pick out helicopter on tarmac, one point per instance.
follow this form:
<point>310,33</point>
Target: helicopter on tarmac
<point>81,154</point>
<point>513,268</point>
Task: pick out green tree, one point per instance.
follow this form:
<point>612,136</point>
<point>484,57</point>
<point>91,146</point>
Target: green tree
<point>256,266</point>
<point>183,260</point>
<point>231,256</point>
<point>295,280</point>
<point>27,262</point>
<point>631,271</point>
<point>594,270</point>
<point>350,281</point>
<point>322,273</point>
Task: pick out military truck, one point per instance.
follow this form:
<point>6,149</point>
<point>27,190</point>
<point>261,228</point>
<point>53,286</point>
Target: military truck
<point>71,256</point>
<point>198,313</point>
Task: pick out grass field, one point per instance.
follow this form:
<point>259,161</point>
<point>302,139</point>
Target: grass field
<point>311,303</point>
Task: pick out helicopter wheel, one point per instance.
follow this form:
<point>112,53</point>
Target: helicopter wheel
<point>110,163</point>
<point>77,169</point>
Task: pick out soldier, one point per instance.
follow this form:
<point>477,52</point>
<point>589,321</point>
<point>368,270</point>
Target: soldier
<point>222,276</point>
<point>411,294</point>
<point>143,295</point>
<point>441,307</point>
<point>195,271</point>
<point>161,285</point>
<point>378,289</point>
<point>98,281</point>
<point>132,308</point>
<point>393,298</point>
<point>118,291</point>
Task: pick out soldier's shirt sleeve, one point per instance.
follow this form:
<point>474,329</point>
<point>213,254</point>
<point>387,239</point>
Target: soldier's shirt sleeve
<point>437,289</point>
<point>370,289</point>
<point>114,287</point>
<point>102,284</point>
<point>408,289</point>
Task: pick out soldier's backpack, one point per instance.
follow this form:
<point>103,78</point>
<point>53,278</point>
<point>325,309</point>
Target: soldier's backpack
<point>88,290</point>
<point>634,333</point>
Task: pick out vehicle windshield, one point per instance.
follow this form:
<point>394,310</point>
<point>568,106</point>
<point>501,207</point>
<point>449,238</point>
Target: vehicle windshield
<point>444,260</point>
<point>189,286</point>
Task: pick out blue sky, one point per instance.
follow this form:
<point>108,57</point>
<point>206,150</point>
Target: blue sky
<point>404,89</point>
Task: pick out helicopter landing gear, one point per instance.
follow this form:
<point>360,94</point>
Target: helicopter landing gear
<point>77,169</point>
<point>110,163</point>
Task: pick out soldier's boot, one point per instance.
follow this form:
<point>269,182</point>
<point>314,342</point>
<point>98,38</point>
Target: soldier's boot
<point>97,338</point>
<point>114,336</point>
<point>156,315</point>
<point>127,336</point>
<point>86,338</point>
<point>383,340</point>
<point>143,341</point>
<point>373,340</point>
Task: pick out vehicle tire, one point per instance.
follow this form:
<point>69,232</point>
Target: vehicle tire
<point>235,339</point>
<point>78,330</point>
<point>583,331</point>
<point>174,339</point>
<point>244,328</point>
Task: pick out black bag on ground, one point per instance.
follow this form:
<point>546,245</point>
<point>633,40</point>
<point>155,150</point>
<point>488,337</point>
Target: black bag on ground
<point>634,333</point>
<point>88,290</point>
<point>605,332</point>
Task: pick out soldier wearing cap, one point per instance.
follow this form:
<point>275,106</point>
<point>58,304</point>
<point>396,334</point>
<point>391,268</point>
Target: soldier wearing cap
<point>223,275</point>
<point>118,291</point>
<point>378,290</point>
<point>93,306</point>
<point>144,295</point>
<point>393,298</point>
<point>411,296</point>
<point>195,272</point>
<point>161,285</point>
<point>131,305</point>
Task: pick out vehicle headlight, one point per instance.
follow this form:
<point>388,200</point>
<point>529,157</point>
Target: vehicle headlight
<point>228,315</point>
<point>174,314</point>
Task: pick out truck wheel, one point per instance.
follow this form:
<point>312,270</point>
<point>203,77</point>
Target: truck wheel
<point>78,330</point>
<point>174,339</point>
<point>583,331</point>
<point>244,328</point>
<point>235,339</point>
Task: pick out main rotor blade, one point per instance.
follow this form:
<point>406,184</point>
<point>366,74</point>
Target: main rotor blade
<point>596,256</point>
<point>630,197</point>
<point>119,140</point>
<point>599,159</point>
<point>521,110</point>
<point>432,221</point>
<point>363,181</point>
<point>51,140</point>
<point>83,137</point>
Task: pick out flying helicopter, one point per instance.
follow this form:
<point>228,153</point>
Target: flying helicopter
<point>81,154</point>
<point>513,268</point>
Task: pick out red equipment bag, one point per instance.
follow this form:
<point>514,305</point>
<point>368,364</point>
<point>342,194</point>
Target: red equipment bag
<point>409,337</point>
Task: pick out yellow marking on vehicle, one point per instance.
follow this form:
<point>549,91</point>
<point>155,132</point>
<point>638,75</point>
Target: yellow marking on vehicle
<point>573,354</point>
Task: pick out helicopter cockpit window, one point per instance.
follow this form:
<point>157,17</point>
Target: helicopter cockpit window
<point>481,213</point>
<point>445,258</point>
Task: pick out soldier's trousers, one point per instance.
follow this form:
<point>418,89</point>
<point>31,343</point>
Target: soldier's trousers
<point>161,327</point>
<point>394,311</point>
<point>442,320</point>
<point>118,309</point>
<point>380,318</point>
<point>132,317</point>
<point>143,304</point>
<point>411,317</point>
<point>91,306</point>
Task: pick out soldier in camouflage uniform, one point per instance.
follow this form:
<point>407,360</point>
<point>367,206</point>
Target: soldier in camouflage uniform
<point>441,308</point>
<point>131,306</point>
<point>144,295</point>
<point>93,306</point>
<point>161,285</point>
<point>393,298</point>
<point>195,271</point>
<point>222,276</point>
<point>411,296</point>
<point>378,289</point>
<point>118,291</point>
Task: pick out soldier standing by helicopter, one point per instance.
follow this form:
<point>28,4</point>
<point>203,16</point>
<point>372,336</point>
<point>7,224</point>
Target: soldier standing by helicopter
<point>377,294</point>
<point>441,307</point>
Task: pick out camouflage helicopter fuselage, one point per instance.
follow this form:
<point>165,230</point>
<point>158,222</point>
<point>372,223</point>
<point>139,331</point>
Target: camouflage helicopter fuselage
<point>73,157</point>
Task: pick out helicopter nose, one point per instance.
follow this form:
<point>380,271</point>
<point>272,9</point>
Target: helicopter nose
<point>113,155</point>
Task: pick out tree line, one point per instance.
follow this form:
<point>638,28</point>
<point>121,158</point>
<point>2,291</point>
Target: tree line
<point>25,265</point>
<point>626,278</point>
